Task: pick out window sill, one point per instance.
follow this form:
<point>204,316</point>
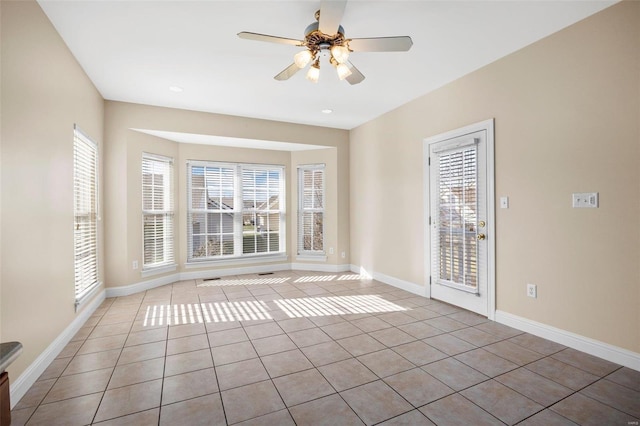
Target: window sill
<point>280,257</point>
<point>87,295</point>
<point>149,272</point>
<point>312,257</point>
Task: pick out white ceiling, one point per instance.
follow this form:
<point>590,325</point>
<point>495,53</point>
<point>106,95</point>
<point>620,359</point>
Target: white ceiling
<point>134,50</point>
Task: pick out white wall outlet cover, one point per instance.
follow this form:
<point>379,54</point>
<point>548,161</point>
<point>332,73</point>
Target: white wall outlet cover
<point>588,200</point>
<point>504,202</point>
<point>532,290</point>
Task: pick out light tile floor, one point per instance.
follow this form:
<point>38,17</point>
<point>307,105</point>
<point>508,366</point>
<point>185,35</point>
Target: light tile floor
<point>312,348</point>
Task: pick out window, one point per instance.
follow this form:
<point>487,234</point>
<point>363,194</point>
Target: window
<point>85,210</point>
<point>311,209</point>
<point>157,211</point>
<point>457,205</point>
<point>235,210</point>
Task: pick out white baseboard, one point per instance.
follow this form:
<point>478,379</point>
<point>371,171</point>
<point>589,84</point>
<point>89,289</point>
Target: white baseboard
<point>593,347</point>
<point>29,376</point>
<point>319,267</point>
<point>127,290</point>
<point>401,284</point>
<point>395,282</point>
<point>213,273</point>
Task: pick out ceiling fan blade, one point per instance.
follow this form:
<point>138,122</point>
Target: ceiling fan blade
<point>356,76</point>
<point>287,73</point>
<point>331,12</point>
<point>269,38</point>
<point>381,44</point>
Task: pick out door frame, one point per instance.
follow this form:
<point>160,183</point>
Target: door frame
<point>488,127</point>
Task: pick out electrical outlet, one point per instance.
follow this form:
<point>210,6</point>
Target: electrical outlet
<point>344,255</point>
<point>532,290</point>
<point>330,250</point>
<point>135,264</point>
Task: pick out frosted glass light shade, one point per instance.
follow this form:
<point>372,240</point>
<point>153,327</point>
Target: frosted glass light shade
<point>340,54</point>
<point>343,71</point>
<point>302,58</point>
<point>313,74</point>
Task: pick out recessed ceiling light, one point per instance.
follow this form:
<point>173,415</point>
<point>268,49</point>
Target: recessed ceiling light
<point>327,111</point>
<point>175,89</point>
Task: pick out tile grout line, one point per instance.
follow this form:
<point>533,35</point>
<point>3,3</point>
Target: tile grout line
<point>215,371</point>
<point>353,289</point>
<point>116,363</point>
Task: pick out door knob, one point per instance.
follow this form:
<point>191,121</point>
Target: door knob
<point>481,237</point>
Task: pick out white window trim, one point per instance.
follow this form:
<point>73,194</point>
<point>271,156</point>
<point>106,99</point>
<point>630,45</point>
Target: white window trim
<point>170,263</point>
<point>87,292</point>
<point>315,255</point>
<point>238,256</point>
<point>319,257</point>
<point>157,270</point>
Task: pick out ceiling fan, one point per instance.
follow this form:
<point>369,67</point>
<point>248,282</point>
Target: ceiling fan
<point>325,39</point>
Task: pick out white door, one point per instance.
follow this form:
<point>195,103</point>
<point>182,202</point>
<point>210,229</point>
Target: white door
<point>460,221</point>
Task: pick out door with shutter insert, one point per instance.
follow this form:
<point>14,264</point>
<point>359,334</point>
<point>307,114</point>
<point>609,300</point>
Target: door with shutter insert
<point>459,223</point>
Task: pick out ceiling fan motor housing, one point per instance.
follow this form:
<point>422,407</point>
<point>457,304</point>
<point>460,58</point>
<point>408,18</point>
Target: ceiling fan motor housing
<point>335,47</point>
<point>318,41</point>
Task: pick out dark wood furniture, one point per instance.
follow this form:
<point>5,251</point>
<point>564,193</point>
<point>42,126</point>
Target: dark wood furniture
<point>8,353</point>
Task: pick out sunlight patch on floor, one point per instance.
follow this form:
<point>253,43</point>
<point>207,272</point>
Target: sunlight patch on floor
<point>193,313</point>
<point>249,310</point>
<point>353,277</point>
<point>317,278</point>
<point>336,305</point>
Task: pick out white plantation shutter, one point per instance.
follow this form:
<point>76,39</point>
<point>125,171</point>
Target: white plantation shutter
<point>261,215</point>
<point>85,197</point>
<point>157,211</point>
<point>311,206</point>
<point>211,211</point>
<point>234,210</point>
<point>456,216</point>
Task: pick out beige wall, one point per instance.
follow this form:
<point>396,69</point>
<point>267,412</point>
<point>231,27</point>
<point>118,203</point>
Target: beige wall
<point>566,115</point>
<point>123,153</point>
<point>44,92</point>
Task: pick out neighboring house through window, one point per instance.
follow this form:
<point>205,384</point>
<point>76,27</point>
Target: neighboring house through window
<point>157,211</point>
<point>85,210</point>
<point>234,210</point>
<point>311,204</point>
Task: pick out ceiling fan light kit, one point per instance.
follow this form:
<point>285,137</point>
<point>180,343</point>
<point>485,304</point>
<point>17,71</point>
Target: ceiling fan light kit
<point>302,58</point>
<point>325,38</point>
<point>343,71</point>
<point>340,53</point>
<point>314,72</point>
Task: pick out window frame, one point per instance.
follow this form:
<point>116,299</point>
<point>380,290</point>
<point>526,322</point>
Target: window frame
<point>167,212</point>
<point>84,288</point>
<point>302,209</point>
<point>236,212</point>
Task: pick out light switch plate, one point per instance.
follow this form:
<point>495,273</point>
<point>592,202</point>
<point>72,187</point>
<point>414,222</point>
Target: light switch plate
<point>504,202</point>
<point>585,200</point>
